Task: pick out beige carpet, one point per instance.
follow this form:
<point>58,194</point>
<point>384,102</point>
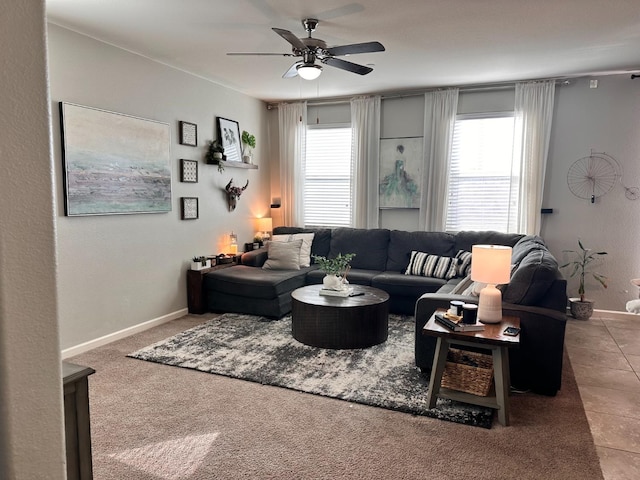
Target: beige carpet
<point>152,422</point>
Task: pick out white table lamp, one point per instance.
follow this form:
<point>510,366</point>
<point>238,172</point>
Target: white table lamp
<point>490,264</point>
<point>265,226</point>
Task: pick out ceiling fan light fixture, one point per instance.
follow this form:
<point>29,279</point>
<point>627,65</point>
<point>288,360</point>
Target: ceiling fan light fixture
<point>309,72</point>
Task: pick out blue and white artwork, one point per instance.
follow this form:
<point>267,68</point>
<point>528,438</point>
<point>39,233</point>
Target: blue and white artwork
<point>114,163</point>
<point>400,172</point>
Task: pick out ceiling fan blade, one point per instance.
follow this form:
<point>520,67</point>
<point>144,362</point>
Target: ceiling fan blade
<point>344,65</point>
<point>367,47</point>
<point>291,38</point>
<point>292,72</point>
<point>263,54</point>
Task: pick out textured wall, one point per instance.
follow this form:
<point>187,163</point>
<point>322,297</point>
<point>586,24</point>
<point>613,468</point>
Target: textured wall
<point>31,439</point>
<point>119,271</point>
<point>605,119</point>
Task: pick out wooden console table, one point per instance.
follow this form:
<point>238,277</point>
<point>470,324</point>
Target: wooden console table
<point>77,427</point>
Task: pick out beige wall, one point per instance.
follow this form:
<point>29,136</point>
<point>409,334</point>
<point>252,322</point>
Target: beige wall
<point>31,438</point>
<point>119,271</point>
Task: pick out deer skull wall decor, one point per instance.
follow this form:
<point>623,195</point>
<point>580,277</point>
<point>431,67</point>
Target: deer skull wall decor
<point>233,194</point>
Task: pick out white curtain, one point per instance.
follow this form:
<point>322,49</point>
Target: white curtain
<point>365,161</point>
<point>440,108</point>
<point>292,121</point>
<point>533,115</point>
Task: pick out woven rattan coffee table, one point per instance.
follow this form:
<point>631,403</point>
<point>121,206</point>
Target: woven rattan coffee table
<point>340,323</point>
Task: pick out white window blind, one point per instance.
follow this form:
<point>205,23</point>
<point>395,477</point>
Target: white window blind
<point>327,183</point>
<point>483,178</point>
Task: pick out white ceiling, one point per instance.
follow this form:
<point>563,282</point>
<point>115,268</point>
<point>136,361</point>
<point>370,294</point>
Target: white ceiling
<point>429,43</point>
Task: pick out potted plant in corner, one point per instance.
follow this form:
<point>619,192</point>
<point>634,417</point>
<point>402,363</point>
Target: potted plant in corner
<point>582,308</point>
<point>336,270</point>
<point>249,141</point>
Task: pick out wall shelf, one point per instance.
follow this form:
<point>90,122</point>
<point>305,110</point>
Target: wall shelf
<point>226,164</point>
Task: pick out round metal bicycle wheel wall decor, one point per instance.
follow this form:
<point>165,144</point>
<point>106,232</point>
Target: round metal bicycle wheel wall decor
<point>592,177</point>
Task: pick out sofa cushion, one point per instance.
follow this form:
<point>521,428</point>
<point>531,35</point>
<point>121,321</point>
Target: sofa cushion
<point>524,246</point>
<point>531,279</point>
<point>283,255</point>
<point>255,282</point>
<point>431,266</point>
<point>355,276</point>
<point>321,239</point>
<point>466,239</point>
<point>463,263</point>
<point>399,284</point>
<point>370,246</point>
<point>401,244</point>
<point>305,250</point>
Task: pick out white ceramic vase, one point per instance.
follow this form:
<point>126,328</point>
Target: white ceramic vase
<point>333,282</point>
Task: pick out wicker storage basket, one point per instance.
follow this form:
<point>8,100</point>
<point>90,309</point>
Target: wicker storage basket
<point>468,372</point>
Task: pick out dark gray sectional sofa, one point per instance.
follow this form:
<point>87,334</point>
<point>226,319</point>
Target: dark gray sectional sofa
<point>536,293</point>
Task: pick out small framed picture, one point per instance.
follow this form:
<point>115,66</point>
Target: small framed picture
<point>229,137</point>
<point>189,208</point>
<point>188,134</point>
<point>188,171</point>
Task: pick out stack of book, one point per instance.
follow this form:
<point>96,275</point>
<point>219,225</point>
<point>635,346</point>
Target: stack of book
<point>455,323</point>
<point>347,292</point>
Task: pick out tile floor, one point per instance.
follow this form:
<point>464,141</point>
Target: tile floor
<point>605,356</point>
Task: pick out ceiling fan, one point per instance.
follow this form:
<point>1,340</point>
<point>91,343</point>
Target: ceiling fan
<point>312,49</point>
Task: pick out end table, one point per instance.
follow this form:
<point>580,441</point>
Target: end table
<point>195,297</point>
<point>491,338</point>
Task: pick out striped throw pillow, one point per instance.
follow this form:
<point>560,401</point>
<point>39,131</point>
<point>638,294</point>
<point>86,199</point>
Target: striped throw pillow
<point>463,259</point>
<point>433,266</point>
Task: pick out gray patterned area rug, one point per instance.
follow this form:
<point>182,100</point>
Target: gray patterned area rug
<point>262,350</point>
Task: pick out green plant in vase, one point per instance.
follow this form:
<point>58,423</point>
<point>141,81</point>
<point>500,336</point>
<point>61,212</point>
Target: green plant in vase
<point>582,308</point>
<point>250,143</point>
<point>336,270</point>
<point>215,155</point>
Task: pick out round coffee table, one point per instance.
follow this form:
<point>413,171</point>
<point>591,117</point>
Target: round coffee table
<point>340,322</point>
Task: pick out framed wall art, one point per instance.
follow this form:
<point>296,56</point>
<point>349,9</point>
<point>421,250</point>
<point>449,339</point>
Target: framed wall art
<point>114,163</point>
<point>188,134</point>
<point>188,171</point>
<point>400,172</point>
<point>229,136</point>
<point>189,208</point>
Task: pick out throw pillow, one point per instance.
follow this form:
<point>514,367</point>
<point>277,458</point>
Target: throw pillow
<point>463,263</point>
<point>431,266</point>
<point>305,250</point>
<point>283,255</point>
<point>462,286</point>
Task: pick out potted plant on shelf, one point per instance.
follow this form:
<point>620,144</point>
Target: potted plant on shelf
<point>249,141</point>
<point>215,155</point>
<point>336,270</point>
<point>582,308</point>
<point>200,263</point>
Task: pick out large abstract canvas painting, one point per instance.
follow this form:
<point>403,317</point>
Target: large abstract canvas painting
<point>400,172</point>
<point>114,163</point>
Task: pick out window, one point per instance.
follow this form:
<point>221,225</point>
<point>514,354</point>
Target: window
<point>327,183</point>
<point>483,178</point>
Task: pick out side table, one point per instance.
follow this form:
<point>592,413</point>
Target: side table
<point>195,296</point>
<point>491,338</point>
<point>77,429</point>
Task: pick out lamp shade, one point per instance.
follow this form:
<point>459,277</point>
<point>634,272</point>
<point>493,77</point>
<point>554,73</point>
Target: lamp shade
<point>491,264</point>
<point>309,72</point>
<point>265,224</point>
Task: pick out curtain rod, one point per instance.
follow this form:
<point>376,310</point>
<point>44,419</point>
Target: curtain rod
<point>489,87</point>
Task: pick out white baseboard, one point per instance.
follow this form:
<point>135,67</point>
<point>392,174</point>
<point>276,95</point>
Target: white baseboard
<point>127,332</point>
<point>615,314</point>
